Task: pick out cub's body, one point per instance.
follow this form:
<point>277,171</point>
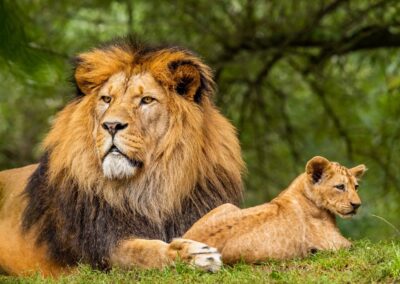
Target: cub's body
<point>299,221</point>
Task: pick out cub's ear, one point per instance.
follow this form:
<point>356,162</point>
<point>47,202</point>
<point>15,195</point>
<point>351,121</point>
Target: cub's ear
<point>316,167</point>
<point>93,68</point>
<point>358,171</point>
<point>191,79</point>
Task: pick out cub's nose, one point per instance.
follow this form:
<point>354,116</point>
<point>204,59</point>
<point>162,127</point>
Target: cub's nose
<point>355,205</point>
<point>114,127</point>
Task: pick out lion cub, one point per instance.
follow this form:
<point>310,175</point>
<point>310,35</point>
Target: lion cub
<point>301,220</point>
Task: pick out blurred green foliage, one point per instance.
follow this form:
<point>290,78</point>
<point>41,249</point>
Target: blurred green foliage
<point>298,78</point>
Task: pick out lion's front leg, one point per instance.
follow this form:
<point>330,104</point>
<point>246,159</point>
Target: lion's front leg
<point>342,243</point>
<point>332,240</point>
<point>158,254</point>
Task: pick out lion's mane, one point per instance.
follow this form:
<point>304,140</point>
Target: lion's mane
<point>80,215</point>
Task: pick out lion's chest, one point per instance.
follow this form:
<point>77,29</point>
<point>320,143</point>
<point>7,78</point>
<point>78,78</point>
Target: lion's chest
<point>79,226</point>
<point>98,227</point>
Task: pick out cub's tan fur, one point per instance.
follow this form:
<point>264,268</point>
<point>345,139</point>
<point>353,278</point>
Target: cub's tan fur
<point>130,164</point>
<point>299,221</point>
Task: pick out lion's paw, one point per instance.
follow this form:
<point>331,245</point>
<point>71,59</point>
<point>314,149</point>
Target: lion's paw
<point>198,254</point>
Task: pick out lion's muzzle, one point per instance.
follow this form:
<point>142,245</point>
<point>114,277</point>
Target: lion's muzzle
<point>116,164</point>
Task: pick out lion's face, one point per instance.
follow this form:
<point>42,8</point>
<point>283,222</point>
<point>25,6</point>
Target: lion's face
<point>333,186</point>
<point>132,117</point>
<point>138,96</point>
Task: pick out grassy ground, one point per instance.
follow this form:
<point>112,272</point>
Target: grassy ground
<point>366,262</point>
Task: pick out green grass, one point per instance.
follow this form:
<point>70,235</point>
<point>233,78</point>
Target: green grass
<point>366,262</point>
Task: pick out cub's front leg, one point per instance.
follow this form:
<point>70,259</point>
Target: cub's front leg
<point>158,254</point>
<point>340,242</point>
<point>332,241</point>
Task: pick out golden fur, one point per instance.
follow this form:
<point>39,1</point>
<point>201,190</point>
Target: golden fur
<point>176,158</point>
<point>196,141</point>
<point>299,221</point>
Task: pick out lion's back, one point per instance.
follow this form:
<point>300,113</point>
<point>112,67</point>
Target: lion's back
<point>12,183</point>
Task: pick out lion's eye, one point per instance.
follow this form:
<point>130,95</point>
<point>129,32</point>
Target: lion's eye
<point>340,187</point>
<point>106,99</point>
<point>146,100</point>
<point>356,187</point>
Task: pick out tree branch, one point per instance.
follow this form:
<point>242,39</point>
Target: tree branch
<point>129,12</point>
<point>320,93</point>
<point>288,126</point>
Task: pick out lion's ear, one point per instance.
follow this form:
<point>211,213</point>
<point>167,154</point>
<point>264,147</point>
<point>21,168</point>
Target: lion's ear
<point>316,167</point>
<point>358,171</point>
<point>191,80</point>
<point>93,68</point>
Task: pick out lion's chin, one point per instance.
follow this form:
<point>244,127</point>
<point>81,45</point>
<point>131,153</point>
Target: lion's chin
<point>116,166</point>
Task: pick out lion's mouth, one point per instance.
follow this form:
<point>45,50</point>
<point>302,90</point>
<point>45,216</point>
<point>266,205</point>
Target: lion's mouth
<point>348,214</point>
<point>114,150</point>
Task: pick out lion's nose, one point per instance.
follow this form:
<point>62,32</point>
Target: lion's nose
<point>114,127</point>
<point>355,205</point>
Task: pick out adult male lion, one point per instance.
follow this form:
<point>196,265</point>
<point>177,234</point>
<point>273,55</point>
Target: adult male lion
<point>131,163</point>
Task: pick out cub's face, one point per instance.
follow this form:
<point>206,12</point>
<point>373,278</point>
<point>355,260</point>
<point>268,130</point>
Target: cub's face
<point>333,186</point>
<point>131,118</point>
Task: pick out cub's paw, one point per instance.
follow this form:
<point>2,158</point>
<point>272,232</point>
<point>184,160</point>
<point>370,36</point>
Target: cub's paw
<point>197,254</point>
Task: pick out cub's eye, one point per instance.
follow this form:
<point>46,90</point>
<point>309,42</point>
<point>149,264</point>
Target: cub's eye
<point>146,100</point>
<point>106,99</point>
<point>340,187</point>
<point>356,187</point>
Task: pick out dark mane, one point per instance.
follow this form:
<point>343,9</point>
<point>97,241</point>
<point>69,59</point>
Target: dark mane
<point>78,227</point>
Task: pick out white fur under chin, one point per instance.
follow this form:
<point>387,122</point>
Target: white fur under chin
<point>116,166</point>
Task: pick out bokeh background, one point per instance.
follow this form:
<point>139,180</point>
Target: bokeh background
<point>298,78</point>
